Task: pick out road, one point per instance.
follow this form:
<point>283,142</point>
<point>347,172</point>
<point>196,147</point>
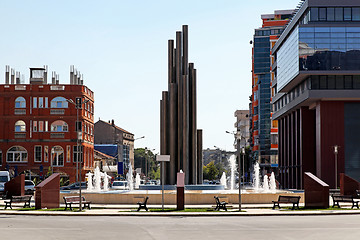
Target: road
<point>165,228</point>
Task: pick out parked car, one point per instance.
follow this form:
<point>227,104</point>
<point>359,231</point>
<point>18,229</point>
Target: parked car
<point>29,187</point>
<point>120,185</point>
<point>4,178</point>
<point>74,186</point>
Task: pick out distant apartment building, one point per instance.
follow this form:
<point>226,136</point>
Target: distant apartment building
<point>38,125</point>
<point>263,128</point>
<point>242,126</point>
<point>115,141</point>
<point>317,86</point>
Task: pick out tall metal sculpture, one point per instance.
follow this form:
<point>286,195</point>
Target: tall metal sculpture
<point>179,136</point>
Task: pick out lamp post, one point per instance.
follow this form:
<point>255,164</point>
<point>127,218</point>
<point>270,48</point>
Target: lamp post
<point>146,160</point>
<point>336,151</point>
<point>237,140</point>
<point>78,105</point>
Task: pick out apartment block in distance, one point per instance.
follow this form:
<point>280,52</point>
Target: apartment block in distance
<point>263,129</point>
<point>317,83</point>
<point>38,124</point>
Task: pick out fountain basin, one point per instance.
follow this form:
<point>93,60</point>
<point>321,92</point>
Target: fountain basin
<point>192,197</point>
<point>187,187</point>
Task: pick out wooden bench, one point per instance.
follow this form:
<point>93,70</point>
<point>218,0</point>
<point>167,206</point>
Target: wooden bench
<point>344,198</point>
<point>76,200</point>
<point>18,199</point>
<point>287,199</point>
<point>220,204</point>
<point>142,205</point>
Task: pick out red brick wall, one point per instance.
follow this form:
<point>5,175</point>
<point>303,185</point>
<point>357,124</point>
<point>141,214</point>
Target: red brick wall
<point>8,118</point>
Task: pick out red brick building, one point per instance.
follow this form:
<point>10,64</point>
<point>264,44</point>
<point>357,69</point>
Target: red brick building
<point>38,124</point>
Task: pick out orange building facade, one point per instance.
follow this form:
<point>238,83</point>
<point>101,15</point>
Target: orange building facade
<point>263,129</point>
<point>38,124</point>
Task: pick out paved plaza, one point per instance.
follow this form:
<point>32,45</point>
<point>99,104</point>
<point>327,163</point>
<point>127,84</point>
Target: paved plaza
<point>165,228</point>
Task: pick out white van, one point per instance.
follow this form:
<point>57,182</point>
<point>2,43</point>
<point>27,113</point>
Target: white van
<point>4,178</point>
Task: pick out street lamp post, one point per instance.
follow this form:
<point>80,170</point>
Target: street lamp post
<point>78,105</point>
<point>336,151</point>
<point>237,140</point>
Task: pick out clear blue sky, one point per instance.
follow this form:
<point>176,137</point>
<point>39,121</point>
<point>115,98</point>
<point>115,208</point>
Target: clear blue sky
<point>121,48</point>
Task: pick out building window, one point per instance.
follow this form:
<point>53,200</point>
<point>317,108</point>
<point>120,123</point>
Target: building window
<point>37,153</point>
<point>41,102</point>
<point>57,156</point>
<point>68,153</point>
<point>59,102</point>
<point>20,126</point>
<point>59,126</point>
<point>46,126</point>
<point>46,102</point>
<point>17,154</point>
<point>76,152</point>
<point>34,102</point>
<point>41,126</point>
<point>46,153</point>
<point>35,127</point>
<point>20,102</point>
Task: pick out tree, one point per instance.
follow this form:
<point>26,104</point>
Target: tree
<point>210,171</point>
<point>143,156</point>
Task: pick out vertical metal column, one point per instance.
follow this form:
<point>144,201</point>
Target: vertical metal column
<point>200,155</point>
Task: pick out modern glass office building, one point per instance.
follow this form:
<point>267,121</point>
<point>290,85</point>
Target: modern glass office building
<point>317,86</point>
<point>263,129</point>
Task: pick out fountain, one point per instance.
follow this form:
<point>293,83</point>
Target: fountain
<point>232,163</point>
<point>89,181</point>
<point>266,184</point>
<point>223,180</point>
<point>130,178</point>
<point>137,181</point>
<point>106,182</point>
<point>272,183</point>
<point>256,177</point>
<point>97,179</point>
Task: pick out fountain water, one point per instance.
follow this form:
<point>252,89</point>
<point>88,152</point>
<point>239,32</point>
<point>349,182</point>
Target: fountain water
<point>223,180</point>
<point>89,181</point>
<point>137,181</point>
<point>130,178</point>
<point>232,162</point>
<point>266,184</point>
<point>256,177</point>
<point>97,178</point>
<point>272,183</point>
<point>106,182</point>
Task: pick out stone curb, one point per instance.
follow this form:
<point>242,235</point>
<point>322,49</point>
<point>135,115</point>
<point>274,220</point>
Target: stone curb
<point>190,214</point>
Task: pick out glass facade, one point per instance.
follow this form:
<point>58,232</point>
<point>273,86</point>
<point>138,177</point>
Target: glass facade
<point>329,48</point>
<point>288,60</point>
<point>262,54</point>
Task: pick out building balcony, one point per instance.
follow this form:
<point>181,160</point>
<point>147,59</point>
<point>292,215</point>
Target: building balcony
<point>57,135</point>
<point>20,111</point>
<point>20,135</point>
<point>57,111</point>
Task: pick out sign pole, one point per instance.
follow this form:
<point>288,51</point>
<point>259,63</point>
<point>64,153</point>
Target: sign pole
<point>162,159</point>
<point>162,181</point>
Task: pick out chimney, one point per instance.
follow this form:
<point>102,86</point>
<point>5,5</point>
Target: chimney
<point>45,74</point>
<point>112,122</point>
<point>71,74</point>
<point>75,77</point>
<point>57,79</point>
<point>7,74</point>
<point>78,78</point>
<point>17,77</point>
<point>12,76</point>
<point>53,75</point>
<point>82,79</point>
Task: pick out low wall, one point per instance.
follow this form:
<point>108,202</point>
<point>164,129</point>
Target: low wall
<point>191,198</point>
